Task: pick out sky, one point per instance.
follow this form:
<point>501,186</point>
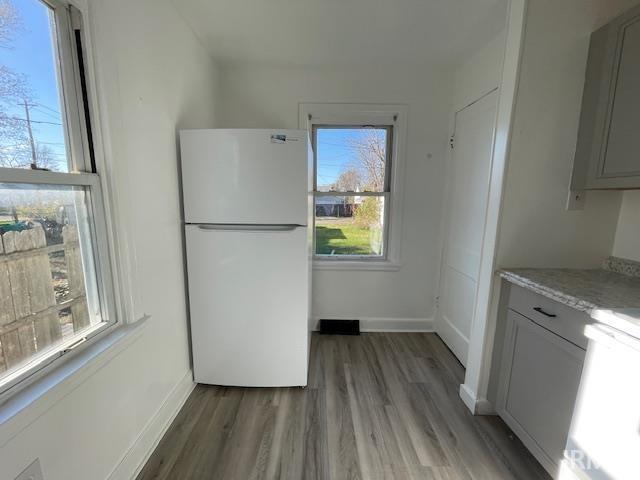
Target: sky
<point>32,55</point>
<point>335,153</point>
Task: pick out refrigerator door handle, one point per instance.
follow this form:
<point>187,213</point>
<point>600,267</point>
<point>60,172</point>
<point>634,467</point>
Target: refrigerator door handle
<point>249,227</point>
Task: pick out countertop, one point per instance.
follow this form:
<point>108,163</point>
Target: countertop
<point>624,319</point>
<point>585,290</point>
<point>611,295</point>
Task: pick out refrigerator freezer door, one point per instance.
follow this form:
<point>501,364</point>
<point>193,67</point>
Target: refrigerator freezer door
<point>244,176</point>
<point>248,297</point>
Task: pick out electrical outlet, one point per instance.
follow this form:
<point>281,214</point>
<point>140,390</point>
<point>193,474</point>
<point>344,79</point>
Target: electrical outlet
<point>576,200</point>
<point>32,472</point>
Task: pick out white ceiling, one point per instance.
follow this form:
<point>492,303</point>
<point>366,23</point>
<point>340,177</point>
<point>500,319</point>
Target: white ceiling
<point>343,32</point>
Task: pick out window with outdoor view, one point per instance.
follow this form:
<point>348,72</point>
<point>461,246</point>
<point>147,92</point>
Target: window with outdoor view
<point>352,188</point>
<point>54,273</point>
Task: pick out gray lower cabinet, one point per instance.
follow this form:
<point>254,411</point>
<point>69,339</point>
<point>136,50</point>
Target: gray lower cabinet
<point>540,373</point>
<point>608,149</point>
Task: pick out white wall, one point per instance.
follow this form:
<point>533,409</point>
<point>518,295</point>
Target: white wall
<point>155,78</point>
<point>627,242</point>
<point>268,97</point>
<point>478,74</point>
<point>536,229</point>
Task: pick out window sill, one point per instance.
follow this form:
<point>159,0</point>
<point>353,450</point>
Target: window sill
<point>357,265</point>
<point>26,405</point>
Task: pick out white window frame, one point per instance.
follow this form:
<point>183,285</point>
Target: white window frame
<point>71,16</point>
<point>383,115</point>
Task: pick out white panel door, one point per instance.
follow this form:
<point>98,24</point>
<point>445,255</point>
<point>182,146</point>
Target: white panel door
<point>468,188</point>
<point>248,301</point>
<point>244,176</point>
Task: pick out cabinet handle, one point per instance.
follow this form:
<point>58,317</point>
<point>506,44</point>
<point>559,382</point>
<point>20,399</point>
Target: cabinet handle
<point>540,310</point>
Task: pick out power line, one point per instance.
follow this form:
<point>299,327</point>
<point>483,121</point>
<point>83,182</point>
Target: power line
<point>35,121</point>
<point>19,148</point>
<point>19,145</point>
<point>48,108</point>
<point>51,115</point>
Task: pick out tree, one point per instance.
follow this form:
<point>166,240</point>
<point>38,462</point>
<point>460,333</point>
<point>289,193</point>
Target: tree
<point>46,157</point>
<point>367,214</point>
<point>371,153</point>
<point>20,157</point>
<point>10,22</point>
<point>370,149</point>
<point>348,181</point>
<point>13,89</point>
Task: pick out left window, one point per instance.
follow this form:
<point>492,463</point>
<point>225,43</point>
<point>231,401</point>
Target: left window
<point>55,280</point>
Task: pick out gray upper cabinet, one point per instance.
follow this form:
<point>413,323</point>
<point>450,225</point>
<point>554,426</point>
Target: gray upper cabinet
<point>608,149</point>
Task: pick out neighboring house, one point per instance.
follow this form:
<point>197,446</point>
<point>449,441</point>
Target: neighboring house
<point>335,206</point>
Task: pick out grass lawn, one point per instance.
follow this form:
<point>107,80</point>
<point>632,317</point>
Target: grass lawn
<point>343,237</point>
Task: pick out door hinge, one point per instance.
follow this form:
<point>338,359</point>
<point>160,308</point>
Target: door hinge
<point>452,141</point>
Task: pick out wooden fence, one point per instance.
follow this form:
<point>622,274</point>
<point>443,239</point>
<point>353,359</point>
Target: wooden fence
<point>30,314</point>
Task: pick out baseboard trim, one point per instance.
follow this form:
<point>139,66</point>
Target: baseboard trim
<point>477,406</point>
<point>382,324</point>
<point>139,452</point>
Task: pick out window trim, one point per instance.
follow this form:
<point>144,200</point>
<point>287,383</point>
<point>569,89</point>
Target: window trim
<point>311,114</point>
<point>103,273</point>
<point>98,82</point>
<point>68,75</point>
<point>77,116</point>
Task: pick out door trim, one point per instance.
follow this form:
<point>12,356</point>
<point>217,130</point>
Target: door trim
<point>485,311</point>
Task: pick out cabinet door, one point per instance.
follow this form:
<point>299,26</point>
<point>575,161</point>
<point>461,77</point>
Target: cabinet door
<point>609,141</point>
<point>540,377</point>
<point>622,151</point>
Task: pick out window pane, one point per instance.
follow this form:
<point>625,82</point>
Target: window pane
<point>48,290</point>
<point>350,225</point>
<point>351,159</point>
<point>32,133</point>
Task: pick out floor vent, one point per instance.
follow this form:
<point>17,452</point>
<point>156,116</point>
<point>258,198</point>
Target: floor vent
<point>339,327</point>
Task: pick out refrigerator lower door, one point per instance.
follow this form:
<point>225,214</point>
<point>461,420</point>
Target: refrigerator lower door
<point>248,304</point>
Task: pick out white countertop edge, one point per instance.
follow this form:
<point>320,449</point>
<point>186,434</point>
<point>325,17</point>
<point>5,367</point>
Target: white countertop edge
<point>611,337</point>
<point>560,297</point>
<point>626,320</point>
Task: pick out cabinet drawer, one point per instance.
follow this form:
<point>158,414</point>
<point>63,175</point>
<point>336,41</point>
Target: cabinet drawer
<point>564,321</point>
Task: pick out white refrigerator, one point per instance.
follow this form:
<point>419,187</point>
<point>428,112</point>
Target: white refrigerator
<point>247,204</point>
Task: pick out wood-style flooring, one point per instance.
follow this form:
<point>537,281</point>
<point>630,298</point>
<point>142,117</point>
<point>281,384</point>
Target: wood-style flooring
<point>378,406</point>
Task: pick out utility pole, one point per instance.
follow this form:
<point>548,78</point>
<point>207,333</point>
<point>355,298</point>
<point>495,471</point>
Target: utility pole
<point>34,156</point>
